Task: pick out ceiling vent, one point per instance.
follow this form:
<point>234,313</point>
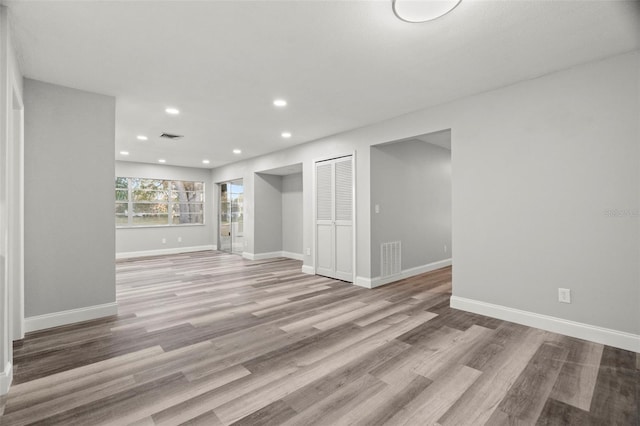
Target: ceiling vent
<point>171,136</point>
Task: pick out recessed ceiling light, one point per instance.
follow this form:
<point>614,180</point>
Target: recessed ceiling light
<point>172,111</point>
<point>162,160</point>
<point>237,151</point>
<point>205,161</point>
<point>280,103</point>
<point>415,11</point>
<point>142,137</point>
<point>124,152</point>
<point>286,135</point>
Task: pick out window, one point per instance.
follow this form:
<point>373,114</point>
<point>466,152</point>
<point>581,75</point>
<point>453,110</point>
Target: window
<point>157,202</point>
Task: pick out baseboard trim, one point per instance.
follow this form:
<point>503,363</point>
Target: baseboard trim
<point>6,377</point>
<point>606,336</point>
<point>308,269</point>
<point>272,255</point>
<point>159,252</point>
<point>55,319</point>
<point>291,255</point>
<point>363,282</point>
<point>407,273</point>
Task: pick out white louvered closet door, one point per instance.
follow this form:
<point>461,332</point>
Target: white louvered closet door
<point>334,218</point>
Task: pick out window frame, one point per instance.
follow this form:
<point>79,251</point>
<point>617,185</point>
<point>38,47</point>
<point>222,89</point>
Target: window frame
<point>170,203</point>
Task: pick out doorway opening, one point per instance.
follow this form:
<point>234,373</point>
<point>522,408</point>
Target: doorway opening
<point>231,217</point>
<point>411,206</point>
<point>278,213</point>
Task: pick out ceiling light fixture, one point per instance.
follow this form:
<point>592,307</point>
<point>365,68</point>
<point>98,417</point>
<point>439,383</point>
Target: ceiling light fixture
<point>280,103</point>
<point>172,111</point>
<point>416,11</point>
<point>162,160</point>
<point>205,161</point>
<point>142,137</point>
<point>237,151</point>
<point>286,135</point>
<point>124,152</point>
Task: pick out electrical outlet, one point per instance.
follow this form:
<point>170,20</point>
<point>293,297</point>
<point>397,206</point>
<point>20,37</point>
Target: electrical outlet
<point>308,251</point>
<point>179,239</point>
<point>377,208</point>
<point>164,241</point>
<point>445,248</point>
<point>564,295</point>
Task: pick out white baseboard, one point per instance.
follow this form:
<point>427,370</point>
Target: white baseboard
<point>308,269</point>
<point>71,316</point>
<point>272,255</point>
<point>261,256</point>
<point>363,282</point>
<point>6,377</point>
<point>407,273</point>
<point>158,252</point>
<point>291,255</point>
<point>606,336</point>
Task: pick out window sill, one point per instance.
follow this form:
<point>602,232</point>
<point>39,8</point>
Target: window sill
<point>161,226</point>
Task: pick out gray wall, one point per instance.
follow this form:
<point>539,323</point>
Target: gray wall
<point>292,213</point>
<point>150,238</point>
<point>534,167</point>
<point>411,184</point>
<point>268,213</point>
<point>69,198</point>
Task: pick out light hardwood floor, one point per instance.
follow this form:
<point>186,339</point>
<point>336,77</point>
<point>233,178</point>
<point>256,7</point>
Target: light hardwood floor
<point>210,338</point>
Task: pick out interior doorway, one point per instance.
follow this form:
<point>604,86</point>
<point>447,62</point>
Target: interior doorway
<point>231,217</point>
<point>411,206</point>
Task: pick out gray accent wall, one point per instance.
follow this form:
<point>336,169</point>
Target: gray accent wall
<point>268,213</point>
<point>411,185</point>
<point>292,213</point>
<point>141,239</point>
<point>69,198</point>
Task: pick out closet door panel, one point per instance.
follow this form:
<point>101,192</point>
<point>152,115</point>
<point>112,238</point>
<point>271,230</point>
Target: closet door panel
<point>344,253</point>
<point>325,252</point>
<point>334,218</point>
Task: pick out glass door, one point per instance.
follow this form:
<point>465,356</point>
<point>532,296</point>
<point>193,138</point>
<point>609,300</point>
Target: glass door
<point>237,220</point>
<point>224,237</point>
<point>231,218</point>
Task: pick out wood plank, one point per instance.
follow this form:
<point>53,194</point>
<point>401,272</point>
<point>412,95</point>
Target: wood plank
<point>615,398</point>
<point>436,399</point>
<point>577,380</point>
<point>526,398</point>
<point>211,338</point>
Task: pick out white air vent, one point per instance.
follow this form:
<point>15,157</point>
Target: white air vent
<point>390,258</point>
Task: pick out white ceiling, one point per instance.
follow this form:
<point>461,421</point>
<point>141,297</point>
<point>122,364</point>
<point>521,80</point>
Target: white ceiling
<point>339,64</point>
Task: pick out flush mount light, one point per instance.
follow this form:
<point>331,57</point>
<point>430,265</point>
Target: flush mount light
<point>172,111</point>
<point>237,151</point>
<point>142,137</point>
<point>162,160</point>
<point>124,152</point>
<point>205,161</point>
<point>286,135</point>
<point>422,10</point>
<point>280,103</point>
